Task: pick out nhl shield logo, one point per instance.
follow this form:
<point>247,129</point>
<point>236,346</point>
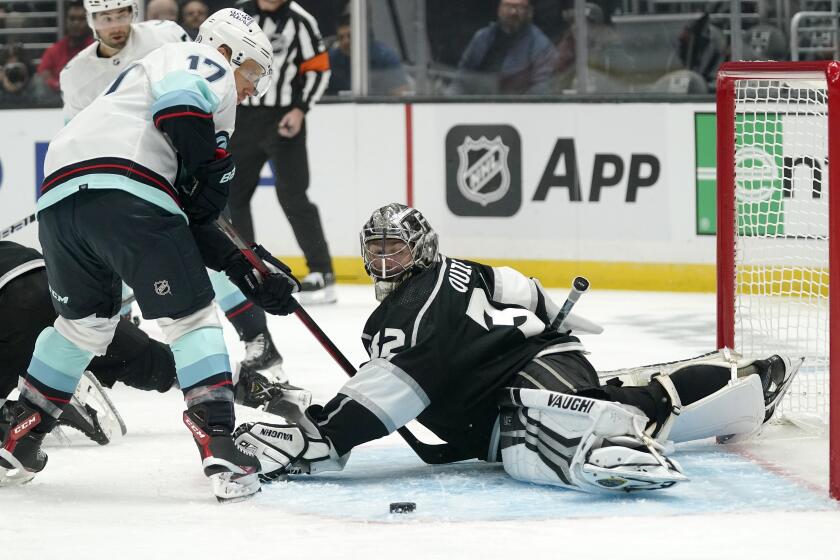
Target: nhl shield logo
<point>483,170</point>
<point>483,173</point>
<point>162,288</point>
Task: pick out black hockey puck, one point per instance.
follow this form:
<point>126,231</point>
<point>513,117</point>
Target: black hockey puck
<point>403,507</point>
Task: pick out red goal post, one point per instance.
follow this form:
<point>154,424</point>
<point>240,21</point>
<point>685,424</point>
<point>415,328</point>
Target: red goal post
<point>778,236</point>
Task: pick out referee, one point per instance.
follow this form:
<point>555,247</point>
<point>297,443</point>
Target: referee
<point>274,127</point>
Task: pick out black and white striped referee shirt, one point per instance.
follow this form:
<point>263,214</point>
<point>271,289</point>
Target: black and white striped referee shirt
<point>301,65</point>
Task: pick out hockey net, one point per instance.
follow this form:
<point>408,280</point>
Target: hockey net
<point>776,224</point>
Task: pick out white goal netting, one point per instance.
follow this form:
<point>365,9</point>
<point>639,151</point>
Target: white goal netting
<point>781,238</point>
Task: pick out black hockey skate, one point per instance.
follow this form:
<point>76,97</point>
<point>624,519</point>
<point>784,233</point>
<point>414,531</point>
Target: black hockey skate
<point>261,355</point>
<point>317,288</point>
<point>84,418</point>
<point>234,474</point>
<point>254,390</point>
<point>20,455</point>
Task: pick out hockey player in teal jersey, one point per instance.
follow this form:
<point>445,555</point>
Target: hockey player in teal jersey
<point>110,209</point>
<point>120,42</point>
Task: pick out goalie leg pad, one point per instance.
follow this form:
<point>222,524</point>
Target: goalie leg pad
<point>738,408</point>
<point>736,411</point>
<point>581,443</point>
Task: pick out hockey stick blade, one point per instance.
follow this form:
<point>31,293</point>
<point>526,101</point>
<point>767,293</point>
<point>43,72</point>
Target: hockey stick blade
<point>579,286</point>
<point>431,454</point>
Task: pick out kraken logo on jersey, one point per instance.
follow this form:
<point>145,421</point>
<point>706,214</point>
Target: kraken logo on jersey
<point>483,172</point>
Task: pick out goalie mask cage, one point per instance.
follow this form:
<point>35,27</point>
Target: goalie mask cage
<point>778,128</point>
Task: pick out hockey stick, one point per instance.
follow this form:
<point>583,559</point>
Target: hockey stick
<point>579,285</point>
<point>17,226</point>
<point>429,453</point>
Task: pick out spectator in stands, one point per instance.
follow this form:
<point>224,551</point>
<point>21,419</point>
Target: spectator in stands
<point>78,36</point>
<point>193,14</point>
<point>702,48</point>
<point>386,73</point>
<point>162,9</point>
<point>18,83</point>
<point>509,56</point>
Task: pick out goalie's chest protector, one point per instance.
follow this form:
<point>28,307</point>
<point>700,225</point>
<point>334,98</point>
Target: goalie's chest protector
<point>444,330</point>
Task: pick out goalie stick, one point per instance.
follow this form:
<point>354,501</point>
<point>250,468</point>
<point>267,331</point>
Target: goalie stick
<point>579,286</point>
<point>432,454</point>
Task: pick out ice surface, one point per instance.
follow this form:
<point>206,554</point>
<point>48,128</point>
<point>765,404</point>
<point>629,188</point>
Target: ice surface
<point>144,496</point>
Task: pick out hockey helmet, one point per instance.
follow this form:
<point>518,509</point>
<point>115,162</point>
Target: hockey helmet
<point>242,35</point>
<point>396,240</point>
<point>97,6</point>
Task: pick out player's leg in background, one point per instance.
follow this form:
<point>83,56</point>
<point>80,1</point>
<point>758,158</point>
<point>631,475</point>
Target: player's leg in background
<point>291,165</point>
<point>25,310</point>
<point>86,294</point>
<point>247,148</point>
<point>251,326</point>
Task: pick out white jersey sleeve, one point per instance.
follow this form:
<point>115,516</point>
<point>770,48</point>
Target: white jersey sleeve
<point>195,76</point>
<point>160,117</point>
<point>87,75</point>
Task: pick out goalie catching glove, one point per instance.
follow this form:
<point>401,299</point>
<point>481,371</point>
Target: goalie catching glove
<point>289,448</point>
<point>272,292</point>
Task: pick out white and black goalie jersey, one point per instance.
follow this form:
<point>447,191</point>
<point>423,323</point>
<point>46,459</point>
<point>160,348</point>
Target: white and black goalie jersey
<point>441,346</point>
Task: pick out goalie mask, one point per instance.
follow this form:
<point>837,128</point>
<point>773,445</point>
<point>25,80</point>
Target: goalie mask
<point>396,240</point>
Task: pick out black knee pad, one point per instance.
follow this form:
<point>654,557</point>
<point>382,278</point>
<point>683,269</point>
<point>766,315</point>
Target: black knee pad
<point>136,360</point>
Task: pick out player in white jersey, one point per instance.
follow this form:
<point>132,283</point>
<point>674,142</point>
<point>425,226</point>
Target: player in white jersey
<point>110,209</point>
<point>121,42</point>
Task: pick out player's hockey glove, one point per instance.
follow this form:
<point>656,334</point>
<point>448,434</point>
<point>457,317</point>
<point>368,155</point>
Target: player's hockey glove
<point>283,449</point>
<point>272,292</point>
<point>208,194</point>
